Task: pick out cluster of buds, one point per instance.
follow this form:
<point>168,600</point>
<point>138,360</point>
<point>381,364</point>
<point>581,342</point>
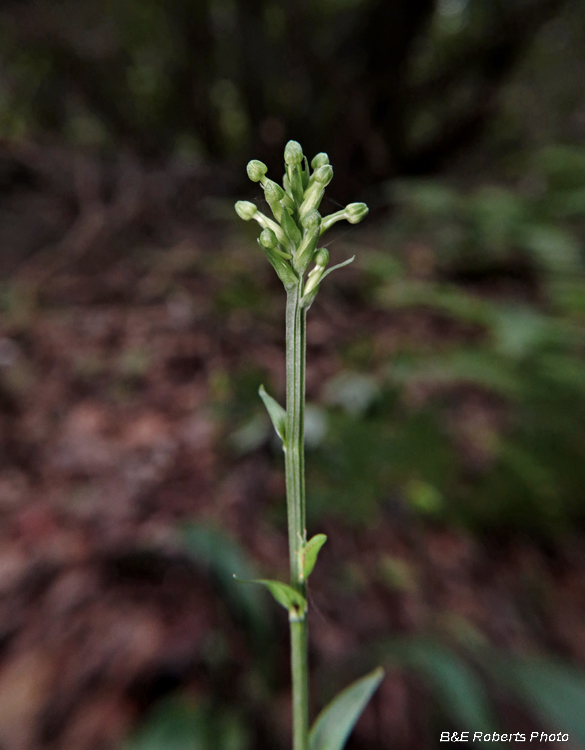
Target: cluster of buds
<point>289,241</point>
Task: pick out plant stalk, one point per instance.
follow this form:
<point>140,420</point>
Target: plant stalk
<point>296,321</point>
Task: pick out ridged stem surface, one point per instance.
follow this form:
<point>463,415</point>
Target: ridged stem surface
<point>296,318</point>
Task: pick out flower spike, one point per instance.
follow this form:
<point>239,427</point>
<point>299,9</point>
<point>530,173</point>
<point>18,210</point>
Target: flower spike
<point>289,241</point>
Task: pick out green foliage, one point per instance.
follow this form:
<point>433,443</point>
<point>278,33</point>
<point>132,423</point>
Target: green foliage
<point>218,78</point>
<point>179,724</point>
<point>310,552</point>
<point>464,679</point>
<point>456,685</point>
<point>552,690</point>
<point>221,556</point>
<point>334,724</point>
<point>284,594</point>
<point>363,460</point>
<point>524,359</point>
<point>276,412</point>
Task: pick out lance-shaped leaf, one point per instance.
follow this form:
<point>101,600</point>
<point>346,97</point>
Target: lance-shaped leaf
<point>290,228</point>
<point>276,412</point>
<point>285,595</point>
<point>309,553</point>
<point>282,268</point>
<point>339,265</point>
<point>334,724</point>
<point>312,285</point>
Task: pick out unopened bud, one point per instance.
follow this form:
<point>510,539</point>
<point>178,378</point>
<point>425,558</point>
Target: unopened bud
<point>314,193</point>
<point>311,220</point>
<point>313,280</point>
<point>273,192</point>
<point>245,210</point>
<point>311,223</point>
<point>323,175</point>
<point>256,170</point>
<point>355,212</point>
<point>319,160</point>
<point>293,153</point>
<point>321,257</point>
<point>268,239</point>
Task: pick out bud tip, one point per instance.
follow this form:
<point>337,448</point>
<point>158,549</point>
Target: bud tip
<point>293,153</point>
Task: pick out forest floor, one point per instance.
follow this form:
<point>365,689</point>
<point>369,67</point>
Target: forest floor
<point>121,354</point>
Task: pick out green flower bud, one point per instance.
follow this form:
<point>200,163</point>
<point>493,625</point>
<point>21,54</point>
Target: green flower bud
<point>311,220</point>
<point>306,250</point>
<point>246,210</point>
<point>293,153</point>
<point>314,193</point>
<point>324,175</point>
<point>256,170</point>
<point>319,160</point>
<point>321,257</point>
<point>273,192</point>
<point>355,212</point>
<point>313,280</point>
<point>268,239</point>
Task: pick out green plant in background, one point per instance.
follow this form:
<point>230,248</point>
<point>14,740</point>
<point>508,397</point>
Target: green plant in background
<point>503,269</point>
<point>289,242</point>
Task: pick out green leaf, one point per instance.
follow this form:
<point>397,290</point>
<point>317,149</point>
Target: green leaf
<point>334,724</point>
<point>309,554</point>
<point>177,724</point>
<point>217,552</point>
<point>555,691</point>
<point>290,228</point>
<point>284,594</point>
<point>555,248</point>
<point>276,412</point>
<point>174,725</point>
<point>339,265</point>
<point>454,683</point>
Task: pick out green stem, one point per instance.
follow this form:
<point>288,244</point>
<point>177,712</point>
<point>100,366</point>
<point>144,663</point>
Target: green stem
<point>296,320</point>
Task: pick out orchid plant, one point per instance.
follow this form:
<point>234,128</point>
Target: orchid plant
<point>290,243</point>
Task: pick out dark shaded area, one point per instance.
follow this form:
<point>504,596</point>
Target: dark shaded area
<point>445,380</point>
<point>232,81</point>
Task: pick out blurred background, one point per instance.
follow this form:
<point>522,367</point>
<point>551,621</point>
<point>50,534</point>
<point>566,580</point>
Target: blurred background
<point>445,380</point>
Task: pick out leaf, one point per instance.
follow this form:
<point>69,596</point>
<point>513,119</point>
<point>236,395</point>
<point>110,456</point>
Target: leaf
<point>221,555</point>
<point>334,724</point>
<point>290,228</point>
<point>307,300</point>
<point>310,552</point>
<point>177,724</point>
<point>555,691</point>
<point>284,271</point>
<point>339,265</point>
<point>555,248</point>
<point>276,412</point>
<point>454,682</point>
<point>173,725</point>
<point>284,594</point>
